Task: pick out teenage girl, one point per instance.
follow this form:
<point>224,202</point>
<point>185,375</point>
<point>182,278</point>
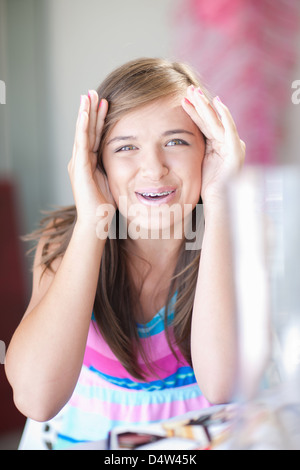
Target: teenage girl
<point>129,321</point>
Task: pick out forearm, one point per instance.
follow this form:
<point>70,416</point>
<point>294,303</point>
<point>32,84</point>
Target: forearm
<point>46,352</point>
<point>213,337</point>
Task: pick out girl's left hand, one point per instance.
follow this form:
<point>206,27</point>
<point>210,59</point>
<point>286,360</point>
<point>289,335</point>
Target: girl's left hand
<point>225,152</point>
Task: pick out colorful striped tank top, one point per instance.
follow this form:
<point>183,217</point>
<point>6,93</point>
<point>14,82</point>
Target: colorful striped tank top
<point>106,395</point>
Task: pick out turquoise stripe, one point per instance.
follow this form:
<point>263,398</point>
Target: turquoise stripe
<point>86,427</point>
<point>135,398</point>
<point>83,426</point>
<point>156,324</point>
<point>183,376</point>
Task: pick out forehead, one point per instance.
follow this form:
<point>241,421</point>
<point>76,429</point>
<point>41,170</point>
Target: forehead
<point>157,116</point>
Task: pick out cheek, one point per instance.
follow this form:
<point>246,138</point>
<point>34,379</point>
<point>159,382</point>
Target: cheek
<point>194,181</point>
<point>118,178</point>
<point>195,192</point>
<point>111,174</point>
<point>115,184</point>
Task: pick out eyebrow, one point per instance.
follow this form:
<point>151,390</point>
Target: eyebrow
<point>165,134</point>
<point>177,131</point>
<point>121,137</point>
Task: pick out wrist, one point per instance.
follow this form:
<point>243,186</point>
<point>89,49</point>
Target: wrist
<point>216,208</point>
<point>89,231</point>
<point>98,225</point>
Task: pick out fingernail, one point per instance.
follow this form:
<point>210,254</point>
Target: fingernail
<point>200,91</point>
<point>218,99</point>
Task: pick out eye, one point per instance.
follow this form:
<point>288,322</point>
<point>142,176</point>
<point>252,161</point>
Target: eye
<point>126,148</point>
<point>174,142</point>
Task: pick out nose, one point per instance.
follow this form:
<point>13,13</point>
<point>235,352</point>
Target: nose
<point>154,165</point>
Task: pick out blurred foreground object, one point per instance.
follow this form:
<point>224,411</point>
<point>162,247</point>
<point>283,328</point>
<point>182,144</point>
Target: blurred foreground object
<point>264,205</point>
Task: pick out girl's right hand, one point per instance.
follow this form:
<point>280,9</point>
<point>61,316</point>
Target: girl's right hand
<point>89,183</point>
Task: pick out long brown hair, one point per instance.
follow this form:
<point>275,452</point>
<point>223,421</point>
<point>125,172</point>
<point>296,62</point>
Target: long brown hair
<point>130,86</point>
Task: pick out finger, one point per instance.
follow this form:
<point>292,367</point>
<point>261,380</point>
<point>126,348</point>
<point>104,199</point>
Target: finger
<point>81,132</point>
<point>231,136</point>
<point>93,98</point>
<point>209,115</point>
<point>201,123</point>
<point>102,111</point>
<point>204,115</point>
<point>230,129</point>
<point>82,139</point>
<point>84,107</point>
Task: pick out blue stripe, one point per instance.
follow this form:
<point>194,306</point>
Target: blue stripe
<point>82,426</point>
<point>183,376</point>
<point>69,439</point>
<point>156,324</point>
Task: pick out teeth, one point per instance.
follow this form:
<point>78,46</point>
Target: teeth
<point>165,193</point>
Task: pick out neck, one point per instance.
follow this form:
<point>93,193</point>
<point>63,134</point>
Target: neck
<point>151,266</point>
<point>157,252</point>
<point>154,245</point>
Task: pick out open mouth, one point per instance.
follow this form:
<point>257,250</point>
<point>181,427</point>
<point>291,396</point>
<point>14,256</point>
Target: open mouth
<point>156,196</point>
<point>150,196</point>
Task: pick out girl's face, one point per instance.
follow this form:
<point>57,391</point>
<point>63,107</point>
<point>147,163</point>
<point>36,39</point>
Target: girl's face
<point>153,159</point>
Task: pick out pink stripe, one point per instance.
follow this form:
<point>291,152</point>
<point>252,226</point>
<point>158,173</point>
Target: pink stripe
<point>163,367</point>
<point>157,344</point>
<point>96,341</point>
<point>139,413</point>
